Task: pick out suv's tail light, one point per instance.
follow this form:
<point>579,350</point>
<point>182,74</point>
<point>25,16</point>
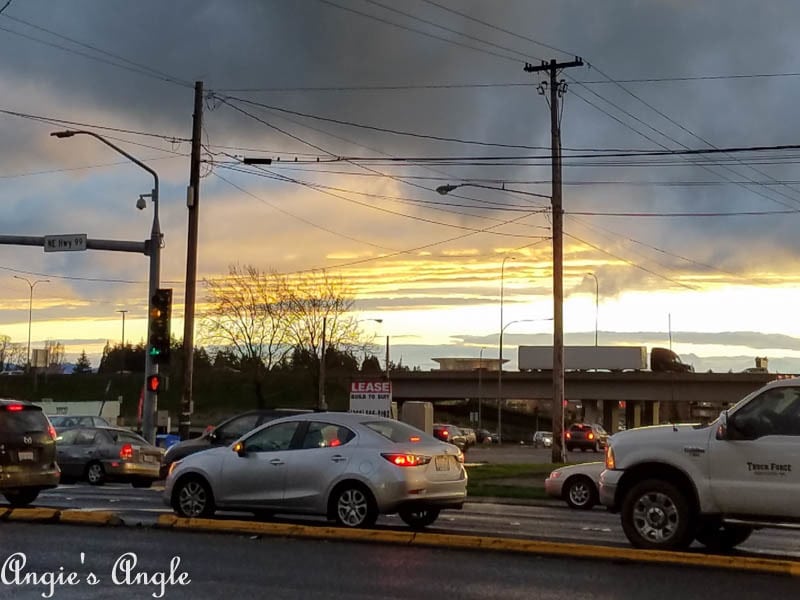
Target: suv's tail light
<point>126,452</point>
<point>407,460</point>
<point>444,433</point>
<point>590,436</point>
<point>569,435</point>
<point>14,407</point>
<point>52,431</point>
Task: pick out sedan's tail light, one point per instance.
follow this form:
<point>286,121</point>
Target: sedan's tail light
<point>590,436</point>
<point>569,435</point>
<point>407,460</point>
<point>14,407</point>
<point>126,452</point>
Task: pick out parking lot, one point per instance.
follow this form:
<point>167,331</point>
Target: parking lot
<point>519,454</point>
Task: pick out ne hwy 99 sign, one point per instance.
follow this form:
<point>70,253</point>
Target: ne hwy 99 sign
<point>371,398</point>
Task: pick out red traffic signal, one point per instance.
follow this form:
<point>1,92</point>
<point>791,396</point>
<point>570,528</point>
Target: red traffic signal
<point>154,383</point>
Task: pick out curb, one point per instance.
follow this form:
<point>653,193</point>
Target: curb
<point>471,542</point>
<point>53,515</point>
<point>411,538</point>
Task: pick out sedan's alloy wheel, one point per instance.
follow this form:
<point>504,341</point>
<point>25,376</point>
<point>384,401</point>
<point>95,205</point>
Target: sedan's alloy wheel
<point>192,499</point>
<point>352,507</point>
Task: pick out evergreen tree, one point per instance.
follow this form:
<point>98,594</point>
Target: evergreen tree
<point>84,365</point>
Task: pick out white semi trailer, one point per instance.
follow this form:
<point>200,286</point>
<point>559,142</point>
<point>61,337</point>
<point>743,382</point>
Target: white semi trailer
<point>601,358</point>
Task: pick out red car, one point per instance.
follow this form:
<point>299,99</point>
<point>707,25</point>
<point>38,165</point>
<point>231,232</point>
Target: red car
<point>586,436</point>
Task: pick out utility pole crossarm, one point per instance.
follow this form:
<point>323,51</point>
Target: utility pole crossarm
<point>547,66</point>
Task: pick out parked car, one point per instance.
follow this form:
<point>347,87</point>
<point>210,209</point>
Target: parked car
<point>100,454</point>
<point>224,434</point>
<point>27,452</point>
<point>484,436</point>
<point>577,485</point>
<point>66,421</point>
<point>349,467</point>
<point>470,436</point>
<point>542,439</point>
<point>450,434</point>
<point>586,436</point>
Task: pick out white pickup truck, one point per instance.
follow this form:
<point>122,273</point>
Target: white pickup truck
<point>673,484</point>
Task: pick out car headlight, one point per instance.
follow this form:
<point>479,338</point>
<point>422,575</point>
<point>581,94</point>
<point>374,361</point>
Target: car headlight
<point>611,463</point>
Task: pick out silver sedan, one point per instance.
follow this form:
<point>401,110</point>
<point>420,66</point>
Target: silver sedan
<point>348,467</point>
<point>577,485</point>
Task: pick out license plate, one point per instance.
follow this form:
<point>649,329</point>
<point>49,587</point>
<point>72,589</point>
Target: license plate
<point>25,455</point>
<point>149,459</point>
<point>442,463</point>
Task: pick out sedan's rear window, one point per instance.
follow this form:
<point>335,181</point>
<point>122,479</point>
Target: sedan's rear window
<point>396,431</point>
<point>23,421</point>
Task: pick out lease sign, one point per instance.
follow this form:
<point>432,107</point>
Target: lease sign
<point>371,398</point>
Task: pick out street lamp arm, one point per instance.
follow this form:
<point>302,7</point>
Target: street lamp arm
<point>70,133</point>
<point>446,189</point>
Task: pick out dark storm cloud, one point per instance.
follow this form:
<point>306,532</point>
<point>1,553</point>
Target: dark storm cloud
<point>259,44</point>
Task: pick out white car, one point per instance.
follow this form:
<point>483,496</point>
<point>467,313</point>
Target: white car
<point>577,485</point>
<point>348,467</point>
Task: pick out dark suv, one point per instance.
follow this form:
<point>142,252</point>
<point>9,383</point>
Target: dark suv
<point>27,452</point>
<point>585,436</point>
<point>224,434</point>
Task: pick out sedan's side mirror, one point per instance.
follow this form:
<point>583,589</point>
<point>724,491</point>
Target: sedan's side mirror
<point>239,448</point>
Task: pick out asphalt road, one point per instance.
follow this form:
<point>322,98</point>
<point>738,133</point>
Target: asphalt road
<point>543,521</point>
<point>251,567</point>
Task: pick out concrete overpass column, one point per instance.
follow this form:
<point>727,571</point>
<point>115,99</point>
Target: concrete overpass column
<point>592,411</point>
<point>611,414</point>
<point>633,414</point>
<point>650,414</point>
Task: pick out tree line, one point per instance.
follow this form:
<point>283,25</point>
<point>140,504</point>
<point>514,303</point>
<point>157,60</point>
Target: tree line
<point>258,322</point>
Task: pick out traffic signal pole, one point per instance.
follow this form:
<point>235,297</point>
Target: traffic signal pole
<point>150,403</point>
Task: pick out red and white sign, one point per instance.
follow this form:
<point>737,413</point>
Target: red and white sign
<point>371,398</point>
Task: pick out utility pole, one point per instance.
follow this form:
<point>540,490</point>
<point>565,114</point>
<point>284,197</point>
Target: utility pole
<point>193,204</point>
<point>557,89</point>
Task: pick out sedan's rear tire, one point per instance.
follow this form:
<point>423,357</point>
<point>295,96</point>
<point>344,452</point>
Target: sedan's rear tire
<point>354,506</point>
<point>657,516</point>
<point>22,497</point>
<point>95,473</point>
<point>192,498</point>
<point>419,518</point>
<point>580,492</point>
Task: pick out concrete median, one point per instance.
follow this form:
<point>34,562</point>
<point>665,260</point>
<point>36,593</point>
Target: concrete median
<point>471,542</point>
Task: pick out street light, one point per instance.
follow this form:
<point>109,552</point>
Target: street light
<point>500,374</point>
<point>30,312</point>
<point>596,304</point>
<point>500,349</point>
<point>122,369</point>
<point>446,189</point>
<point>150,403</point>
<point>480,387</point>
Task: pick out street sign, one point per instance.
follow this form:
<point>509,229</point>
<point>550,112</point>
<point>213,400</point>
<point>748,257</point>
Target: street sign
<point>371,398</point>
<point>67,242</point>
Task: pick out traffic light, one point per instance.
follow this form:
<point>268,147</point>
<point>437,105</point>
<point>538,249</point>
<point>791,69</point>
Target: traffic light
<point>159,337</point>
<point>154,383</point>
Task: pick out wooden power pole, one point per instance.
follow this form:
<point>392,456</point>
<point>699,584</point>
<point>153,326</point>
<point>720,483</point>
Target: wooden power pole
<point>557,89</point>
<point>193,203</point>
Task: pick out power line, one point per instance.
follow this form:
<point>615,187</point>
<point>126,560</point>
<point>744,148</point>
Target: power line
<point>375,127</point>
<point>503,84</point>
<point>57,121</point>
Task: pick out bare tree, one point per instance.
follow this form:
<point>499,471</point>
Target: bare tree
<point>5,351</point>
<point>319,299</point>
<point>247,315</point>
<point>55,354</point>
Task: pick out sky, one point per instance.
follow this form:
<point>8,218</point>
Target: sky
<point>365,108</point>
